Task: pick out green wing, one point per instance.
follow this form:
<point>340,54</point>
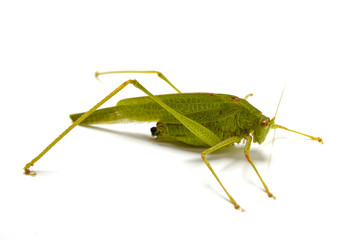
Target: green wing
<point>200,107</point>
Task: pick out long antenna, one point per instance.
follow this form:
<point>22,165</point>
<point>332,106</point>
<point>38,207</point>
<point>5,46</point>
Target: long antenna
<point>277,109</point>
<point>273,122</point>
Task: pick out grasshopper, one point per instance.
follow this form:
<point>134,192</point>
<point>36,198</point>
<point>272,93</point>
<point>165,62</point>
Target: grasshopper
<point>198,119</point>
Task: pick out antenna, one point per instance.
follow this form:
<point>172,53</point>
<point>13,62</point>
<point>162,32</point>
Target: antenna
<point>273,122</point>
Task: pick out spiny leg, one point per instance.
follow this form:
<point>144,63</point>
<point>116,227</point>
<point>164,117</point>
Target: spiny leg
<point>74,124</point>
<point>214,148</point>
<point>197,129</point>
<point>246,152</point>
<point>156,72</point>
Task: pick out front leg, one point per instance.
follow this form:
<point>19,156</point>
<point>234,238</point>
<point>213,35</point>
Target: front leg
<point>246,152</point>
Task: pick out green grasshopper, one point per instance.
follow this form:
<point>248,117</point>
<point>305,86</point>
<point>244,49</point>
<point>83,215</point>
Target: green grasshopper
<point>197,119</point>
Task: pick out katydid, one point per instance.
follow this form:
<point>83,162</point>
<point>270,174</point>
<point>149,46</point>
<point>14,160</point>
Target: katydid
<point>198,119</point>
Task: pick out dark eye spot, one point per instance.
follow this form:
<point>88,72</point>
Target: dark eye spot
<point>264,124</point>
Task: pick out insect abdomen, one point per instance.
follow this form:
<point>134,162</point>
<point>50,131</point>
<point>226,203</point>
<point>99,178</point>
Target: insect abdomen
<point>175,132</point>
<point>224,129</point>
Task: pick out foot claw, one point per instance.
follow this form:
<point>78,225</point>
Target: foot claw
<point>97,75</point>
<point>238,207</point>
<point>29,172</point>
<point>271,195</point>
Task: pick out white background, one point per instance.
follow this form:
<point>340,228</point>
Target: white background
<point>122,184</point>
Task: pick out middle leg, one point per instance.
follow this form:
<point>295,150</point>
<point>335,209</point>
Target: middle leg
<point>214,148</point>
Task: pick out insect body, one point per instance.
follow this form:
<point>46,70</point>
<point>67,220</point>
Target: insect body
<point>225,115</point>
<point>198,119</point>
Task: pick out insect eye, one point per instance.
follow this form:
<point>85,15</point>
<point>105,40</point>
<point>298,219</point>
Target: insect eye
<point>264,124</point>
